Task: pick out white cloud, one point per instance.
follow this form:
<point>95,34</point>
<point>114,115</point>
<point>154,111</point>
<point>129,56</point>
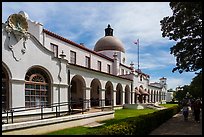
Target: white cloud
<point>85,22</point>
<point>38,11</point>
<point>140,20</point>
<point>130,20</point>
<point>172,82</point>
<point>152,60</point>
<point>175,82</point>
<point>175,79</point>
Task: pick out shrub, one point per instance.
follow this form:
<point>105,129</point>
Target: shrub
<point>141,125</point>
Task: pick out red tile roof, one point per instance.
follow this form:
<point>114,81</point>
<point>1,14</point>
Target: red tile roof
<point>75,44</point>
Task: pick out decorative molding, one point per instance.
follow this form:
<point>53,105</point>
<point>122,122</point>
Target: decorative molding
<point>102,89</point>
<point>60,68</point>
<point>61,84</point>
<point>20,81</point>
<point>17,24</point>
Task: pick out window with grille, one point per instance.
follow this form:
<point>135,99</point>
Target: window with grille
<point>54,49</point>
<point>72,57</point>
<point>108,68</point>
<point>122,71</point>
<point>99,65</point>
<point>36,89</point>
<point>88,63</point>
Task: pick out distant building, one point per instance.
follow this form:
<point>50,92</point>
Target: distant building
<point>40,67</point>
<point>169,96</point>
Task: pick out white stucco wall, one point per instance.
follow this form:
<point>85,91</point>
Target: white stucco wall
<point>38,53</point>
<point>169,96</point>
<point>35,55</point>
<point>80,54</point>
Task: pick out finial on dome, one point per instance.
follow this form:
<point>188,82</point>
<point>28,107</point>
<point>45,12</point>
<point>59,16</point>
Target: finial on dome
<point>109,31</point>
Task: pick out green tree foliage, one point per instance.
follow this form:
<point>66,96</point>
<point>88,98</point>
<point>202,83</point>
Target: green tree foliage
<point>194,89</point>
<point>196,86</point>
<point>180,94</point>
<point>185,27</point>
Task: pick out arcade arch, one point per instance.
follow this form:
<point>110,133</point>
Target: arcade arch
<point>108,93</point>
<point>77,91</point>
<point>95,92</point>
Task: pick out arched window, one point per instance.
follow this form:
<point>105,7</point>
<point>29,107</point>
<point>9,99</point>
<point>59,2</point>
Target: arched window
<point>37,88</point>
<point>4,92</point>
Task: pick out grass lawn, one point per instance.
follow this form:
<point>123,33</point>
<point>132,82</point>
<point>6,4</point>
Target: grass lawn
<point>119,114</point>
<point>168,105</point>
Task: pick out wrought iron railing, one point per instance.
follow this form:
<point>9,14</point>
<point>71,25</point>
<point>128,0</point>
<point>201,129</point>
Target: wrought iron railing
<point>81,106</point>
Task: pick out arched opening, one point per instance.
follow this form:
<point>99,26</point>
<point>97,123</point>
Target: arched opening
<point>37,88</point>
<point>151,95</point>
<point>127,94</point>
<point>119,94</point>
<point>141,96</point>
<point>5,89</point>
<point>95,92</point>
<point>77,91</point>
<point>157,95</point>
<point>137,94</point>
<point>108,93</point>
<point>145,96</point>
<point>148,97</point>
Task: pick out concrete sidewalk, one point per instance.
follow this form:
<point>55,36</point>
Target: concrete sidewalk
<point>177,126</point>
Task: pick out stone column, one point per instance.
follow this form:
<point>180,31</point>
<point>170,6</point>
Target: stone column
<point>123,97</point>
<point>157,96</point>
<point>87,96</point>
<point>114,97</point>
<point>133,97</point>
<point>148,98</point>
<point>165,96</point>
<point>143,98</point>
<point>102,97</point>
<point>160,96</point>
<point>129,97</point>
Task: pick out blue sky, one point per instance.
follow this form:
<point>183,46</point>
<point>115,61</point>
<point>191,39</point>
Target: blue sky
<point>84,22</point>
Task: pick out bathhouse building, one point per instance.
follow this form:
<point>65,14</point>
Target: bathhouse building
<point>41,68</point>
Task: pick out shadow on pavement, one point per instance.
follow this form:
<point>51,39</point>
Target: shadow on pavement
<point>178,126</point>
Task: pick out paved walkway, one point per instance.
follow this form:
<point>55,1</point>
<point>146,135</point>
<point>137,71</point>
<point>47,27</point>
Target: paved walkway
<point>177,126</point>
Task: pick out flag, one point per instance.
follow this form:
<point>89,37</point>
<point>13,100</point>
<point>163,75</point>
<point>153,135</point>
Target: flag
<point>136,42</point>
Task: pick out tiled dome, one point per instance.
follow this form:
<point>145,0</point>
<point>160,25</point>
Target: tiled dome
<point>109,42</point>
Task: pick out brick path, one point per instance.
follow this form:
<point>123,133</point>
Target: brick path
<point>177,126</point>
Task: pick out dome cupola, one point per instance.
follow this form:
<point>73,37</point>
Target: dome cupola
<point>109,42</point>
